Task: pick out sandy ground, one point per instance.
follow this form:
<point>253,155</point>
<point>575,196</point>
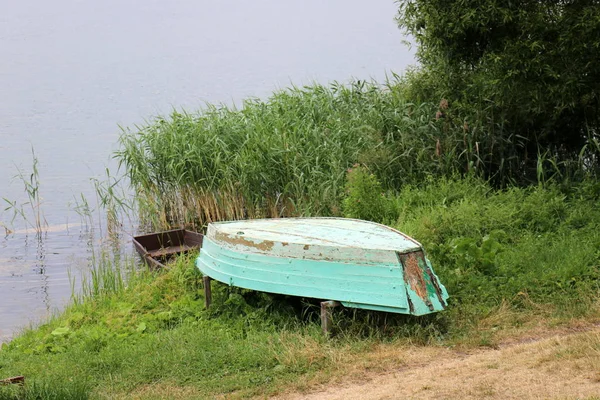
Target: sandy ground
<point>565,366</point>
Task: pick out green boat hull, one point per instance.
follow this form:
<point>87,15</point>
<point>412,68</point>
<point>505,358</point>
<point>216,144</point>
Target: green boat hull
<point>383,279</point>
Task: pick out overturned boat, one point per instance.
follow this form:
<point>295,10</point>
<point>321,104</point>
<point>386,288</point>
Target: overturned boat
<point>357,263</point>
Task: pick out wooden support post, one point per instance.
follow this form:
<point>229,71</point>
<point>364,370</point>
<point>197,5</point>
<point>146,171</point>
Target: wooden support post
<point>207,292</point>
<point>326,307</point>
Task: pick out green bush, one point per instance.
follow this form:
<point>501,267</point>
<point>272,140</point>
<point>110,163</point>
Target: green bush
<point>492,246</point>
<point>366,198</point>
<point>518,80</point>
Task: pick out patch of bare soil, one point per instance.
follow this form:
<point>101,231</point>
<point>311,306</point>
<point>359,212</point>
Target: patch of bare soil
<point>559,367</point>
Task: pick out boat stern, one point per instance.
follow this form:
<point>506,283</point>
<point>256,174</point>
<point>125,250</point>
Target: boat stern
<point>424,291</point>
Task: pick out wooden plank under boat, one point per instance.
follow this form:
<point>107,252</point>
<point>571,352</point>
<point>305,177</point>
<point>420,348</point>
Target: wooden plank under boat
<point>358,263</point>
<point>157,248</point>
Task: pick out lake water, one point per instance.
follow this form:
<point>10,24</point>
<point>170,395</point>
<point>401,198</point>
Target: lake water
<point>73,71</point>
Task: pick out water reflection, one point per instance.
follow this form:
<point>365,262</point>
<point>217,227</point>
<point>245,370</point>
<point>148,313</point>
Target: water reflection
<point>40,268</point>
<point>36,279</point>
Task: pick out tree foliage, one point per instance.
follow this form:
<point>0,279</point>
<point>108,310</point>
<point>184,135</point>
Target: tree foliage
<point>528,71</point>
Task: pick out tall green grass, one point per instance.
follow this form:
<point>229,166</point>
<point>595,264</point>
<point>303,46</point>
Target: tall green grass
<point>31,184</point>
<point>288,155</point>
<point>285,156</point>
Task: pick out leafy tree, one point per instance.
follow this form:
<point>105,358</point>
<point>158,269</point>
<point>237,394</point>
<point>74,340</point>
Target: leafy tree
<point>528,71</point>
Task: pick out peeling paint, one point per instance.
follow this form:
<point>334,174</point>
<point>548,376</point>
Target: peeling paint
<point>413,274</point>
<point>264,245</point>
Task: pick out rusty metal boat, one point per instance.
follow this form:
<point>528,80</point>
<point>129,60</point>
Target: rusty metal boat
<point>157,248</point>
<point>357,263</point>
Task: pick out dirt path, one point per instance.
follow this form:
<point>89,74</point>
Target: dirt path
<point>559,367</point>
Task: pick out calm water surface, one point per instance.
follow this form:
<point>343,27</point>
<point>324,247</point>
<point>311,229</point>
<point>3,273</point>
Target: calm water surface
<point>72,72</point>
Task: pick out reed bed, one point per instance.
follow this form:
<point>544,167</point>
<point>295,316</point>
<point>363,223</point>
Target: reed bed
<point>286,156</point>
<point>289,155</point>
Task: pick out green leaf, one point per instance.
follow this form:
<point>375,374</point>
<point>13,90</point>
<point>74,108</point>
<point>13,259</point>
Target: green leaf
<point>141,327</point>
<point>61,331</point>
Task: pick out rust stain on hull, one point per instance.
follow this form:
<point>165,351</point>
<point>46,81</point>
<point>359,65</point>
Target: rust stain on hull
<point>265,245</point>
<point>413,274</point>
<point>420,278</point>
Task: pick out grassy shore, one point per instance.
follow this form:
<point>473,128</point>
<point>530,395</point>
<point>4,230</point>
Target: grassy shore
<point>513,260</point>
